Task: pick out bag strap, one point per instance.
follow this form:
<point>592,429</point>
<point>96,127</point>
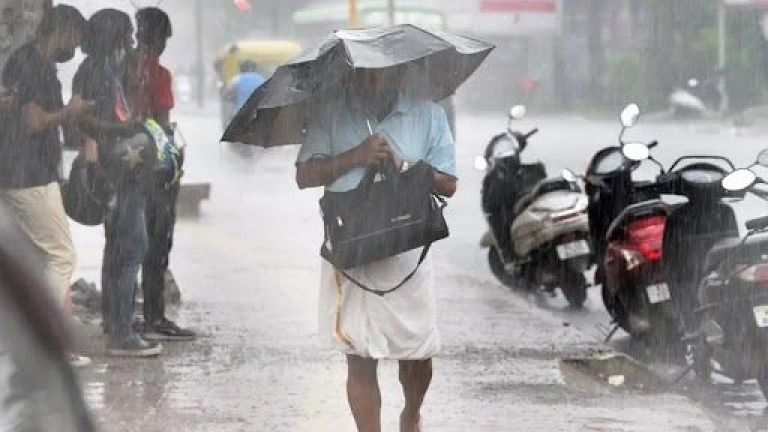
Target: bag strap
<point>381,293</point>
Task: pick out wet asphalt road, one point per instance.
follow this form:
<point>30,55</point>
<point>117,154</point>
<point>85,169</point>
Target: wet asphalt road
<point>249,276</point>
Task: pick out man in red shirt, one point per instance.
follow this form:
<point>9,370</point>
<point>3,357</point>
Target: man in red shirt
<point>153,99</point>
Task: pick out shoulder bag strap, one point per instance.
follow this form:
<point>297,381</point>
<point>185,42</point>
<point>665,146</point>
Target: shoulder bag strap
<point>381,293</point>
<point>424,252</point>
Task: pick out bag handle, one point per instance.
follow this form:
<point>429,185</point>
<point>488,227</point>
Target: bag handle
<point>388,173</point>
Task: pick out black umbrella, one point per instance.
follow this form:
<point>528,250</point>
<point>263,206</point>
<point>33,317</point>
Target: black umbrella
<point>277,112</point>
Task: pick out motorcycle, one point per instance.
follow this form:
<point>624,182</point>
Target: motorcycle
<point>697,98</point>
<point>730,323</point>
<point>627,220</point>
<point>698,252</point>
<point>539,230</point>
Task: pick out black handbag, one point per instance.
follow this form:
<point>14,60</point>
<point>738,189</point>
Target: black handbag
<point>381,219</point>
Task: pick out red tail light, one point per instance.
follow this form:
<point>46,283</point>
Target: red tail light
<point>761,275</point>
<point>756,274</point>
<point>647,235</point>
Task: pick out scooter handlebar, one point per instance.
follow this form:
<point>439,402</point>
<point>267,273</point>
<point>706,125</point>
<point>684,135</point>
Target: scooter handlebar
<point>531,133</point>
<point>757,224</point>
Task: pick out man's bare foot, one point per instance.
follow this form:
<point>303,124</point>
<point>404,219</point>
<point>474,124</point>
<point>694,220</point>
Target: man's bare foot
<point>410,423</point>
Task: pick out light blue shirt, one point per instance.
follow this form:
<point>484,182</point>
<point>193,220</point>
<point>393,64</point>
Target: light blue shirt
<point>246,84</point>
<point>416,130</point>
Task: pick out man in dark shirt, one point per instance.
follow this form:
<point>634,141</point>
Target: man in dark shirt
<point>30,145</point>
<point>30,77</point>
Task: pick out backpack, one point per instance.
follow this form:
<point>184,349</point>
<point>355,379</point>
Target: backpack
<point>86,193</point>
<point>170,157</point>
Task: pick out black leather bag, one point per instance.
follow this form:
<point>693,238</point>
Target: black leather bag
<point>381,219</point>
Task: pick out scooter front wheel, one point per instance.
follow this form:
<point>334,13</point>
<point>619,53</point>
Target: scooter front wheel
<point>702,362</point>
<point>498,269</point>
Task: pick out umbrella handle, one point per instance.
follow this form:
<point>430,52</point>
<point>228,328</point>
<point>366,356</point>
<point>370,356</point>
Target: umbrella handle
<point>388,171</point>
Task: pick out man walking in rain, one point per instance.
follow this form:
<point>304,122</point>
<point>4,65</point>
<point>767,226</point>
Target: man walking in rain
<point>30,145</point>
<point>373,124</point>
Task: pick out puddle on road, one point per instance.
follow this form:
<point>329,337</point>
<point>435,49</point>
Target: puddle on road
<point>603,372</point>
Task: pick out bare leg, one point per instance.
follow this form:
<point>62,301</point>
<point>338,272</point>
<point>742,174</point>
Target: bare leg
<point>415,376</point>
<point>363,393</point>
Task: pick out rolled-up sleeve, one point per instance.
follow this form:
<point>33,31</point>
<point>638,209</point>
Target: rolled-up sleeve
<point>318,140</point>
<point>441,153</point>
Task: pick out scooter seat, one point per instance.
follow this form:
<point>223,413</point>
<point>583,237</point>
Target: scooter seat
<point>543,187</point>
<point>736,251</point>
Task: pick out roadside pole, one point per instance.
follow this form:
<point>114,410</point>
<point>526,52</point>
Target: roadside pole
<point>354,16</point>
<point>200,54</point>
<point>722,55</point>
<point>391,12</point>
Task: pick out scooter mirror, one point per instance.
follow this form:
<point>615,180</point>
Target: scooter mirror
<point>636,151</point>
<point>517,112</point>
<point>762,158</point>
<point>739,180</point>
<point>630,115</point>
<point>480,163</point>
<point>568,176</point>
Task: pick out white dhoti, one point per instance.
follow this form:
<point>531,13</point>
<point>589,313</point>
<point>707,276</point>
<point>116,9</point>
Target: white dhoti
<point>400,325</point>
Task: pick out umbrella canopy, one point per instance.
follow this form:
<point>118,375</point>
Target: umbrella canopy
<point>277,112</point>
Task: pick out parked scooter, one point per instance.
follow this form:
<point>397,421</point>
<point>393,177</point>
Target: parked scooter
<point>730,323</point>
<point>627,220</point>
<point>539,230</point>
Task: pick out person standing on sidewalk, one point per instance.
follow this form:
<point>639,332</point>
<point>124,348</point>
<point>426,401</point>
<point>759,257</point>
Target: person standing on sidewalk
<point>367,327</point>
<point>153,99</point>
<point>101,78</point>
<point>30,145</point>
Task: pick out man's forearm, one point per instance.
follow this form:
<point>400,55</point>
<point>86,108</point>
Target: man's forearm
<point>444,184</point>
<point>94,125</point>
<point>38,121</point>
<point>324,171</point>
